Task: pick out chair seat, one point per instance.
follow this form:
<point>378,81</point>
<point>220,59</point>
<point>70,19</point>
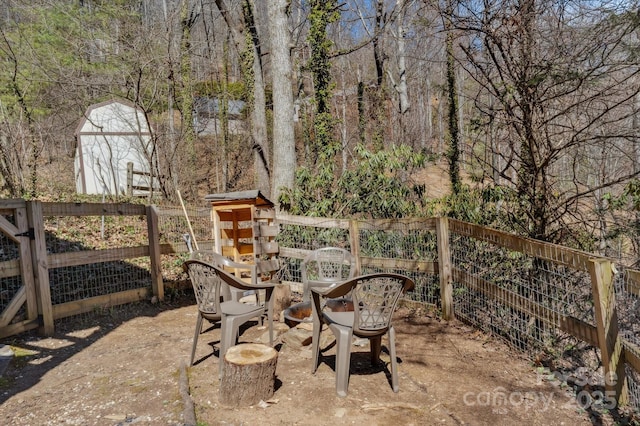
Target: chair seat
<point>344,319</point>
<point>232,307</point>
<point>374,300</point>
<point>211,285</point>
<point>211,316</point>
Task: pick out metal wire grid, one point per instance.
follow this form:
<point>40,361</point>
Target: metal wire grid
<point>9,285</point>
<point>628,307</point>
<point>173,227</point>
<point>306,238</point>
<point>77,234</point>
<point>312,238</point>
<point>519,297</point>
<point>628,310</point>
<point>633,384</point>
<point>64,234</point>
<point>404,244</point>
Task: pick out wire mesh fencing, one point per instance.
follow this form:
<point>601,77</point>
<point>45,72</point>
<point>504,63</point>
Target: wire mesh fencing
<point>517,296</point>
<point>96,255</point>
<point>627,288</point>
<point>408,248</point>
<point>551,303</point>
<point>405,247</point>
<point>296,240</point>
<point>10,279</point>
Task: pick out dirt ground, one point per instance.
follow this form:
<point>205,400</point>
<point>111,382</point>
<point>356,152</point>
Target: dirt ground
<point>123,366</point>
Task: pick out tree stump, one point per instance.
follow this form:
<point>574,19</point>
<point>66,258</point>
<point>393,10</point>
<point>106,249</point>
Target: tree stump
<point>248,374</point>
<point>281,299</point>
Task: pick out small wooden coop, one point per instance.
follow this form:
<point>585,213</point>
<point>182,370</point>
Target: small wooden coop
<point>244,229</point>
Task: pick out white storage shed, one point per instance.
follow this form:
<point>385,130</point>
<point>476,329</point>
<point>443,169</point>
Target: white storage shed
<point>112,137</point>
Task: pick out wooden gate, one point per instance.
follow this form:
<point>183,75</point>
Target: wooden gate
<point>19,292</point>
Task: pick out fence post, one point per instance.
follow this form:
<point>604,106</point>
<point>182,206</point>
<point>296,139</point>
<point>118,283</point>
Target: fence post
<point>609,341</point>
<point>354,242</point>
<point>40,267</point>
<point>154,252</point>
<point>444,267</point>
<point>130,179</point>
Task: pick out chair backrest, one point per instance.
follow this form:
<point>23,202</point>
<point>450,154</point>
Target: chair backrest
<point>207,285</point>
<point>206,256</point>
<point>328,264</point>
<point>374,299</point>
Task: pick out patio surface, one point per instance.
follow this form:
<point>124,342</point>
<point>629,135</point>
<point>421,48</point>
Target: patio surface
<point>124,366</point>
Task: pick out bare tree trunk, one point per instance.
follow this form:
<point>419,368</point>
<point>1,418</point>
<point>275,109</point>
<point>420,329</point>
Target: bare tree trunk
<point>284,152</point>
<point>402,68</point>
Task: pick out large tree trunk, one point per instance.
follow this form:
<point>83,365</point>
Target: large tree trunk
<point>284,152</point>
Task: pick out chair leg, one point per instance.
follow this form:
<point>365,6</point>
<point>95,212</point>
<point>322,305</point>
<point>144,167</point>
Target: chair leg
<point>315,345</point>
<point>394,360</point>
<point>343,358</point>
<point>376,346</point>
<point>195,337</point>
<point>227,338</point>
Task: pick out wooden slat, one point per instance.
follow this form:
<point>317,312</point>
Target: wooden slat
<point>267,266</point>
<point>580,329</point>
<point>230,233</point>
<point>60,260</point>
<point>8,205</point>
<point>40,277</point>
<point>316,222</point>
<point>18,327</point>
<point>293,253</point>
<point>266,247</point>
<point>267,231</point>
<point>561,255</point>
<point>13,307</point>
<point>264,213</point>
<point>242,249</point>
<point>26,262</point>
<point>9,229</point>
<point>632,355</point>
<point>402,224</point>
<point>399,264</point>
<point>181,247</point>
<point>239,215</point>
<point>155,259</point>
<point>76,307</point>
<point>9,268</point>
<point>93,209</point>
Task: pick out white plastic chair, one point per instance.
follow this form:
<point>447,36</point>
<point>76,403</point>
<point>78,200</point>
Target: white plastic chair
<point>324,267</point>
<point>208,282</point>
<point>374,299</point>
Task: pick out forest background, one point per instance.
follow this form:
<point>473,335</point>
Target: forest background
<point>531,108</point>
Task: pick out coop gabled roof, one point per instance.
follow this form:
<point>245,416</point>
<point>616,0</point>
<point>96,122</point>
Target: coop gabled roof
<point>253,196</point>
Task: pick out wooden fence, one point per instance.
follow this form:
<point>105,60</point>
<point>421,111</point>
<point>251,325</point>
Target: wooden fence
<point>431,250</point>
